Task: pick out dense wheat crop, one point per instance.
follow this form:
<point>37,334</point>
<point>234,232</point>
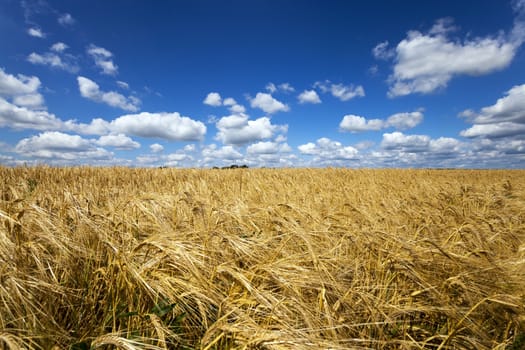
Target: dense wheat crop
<point>261,259</point>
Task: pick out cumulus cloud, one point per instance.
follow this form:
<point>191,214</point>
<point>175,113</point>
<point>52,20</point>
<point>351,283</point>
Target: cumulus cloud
<point>355,123</point>
<point>268,104</point>
<point>36,32</point>
<point>230,101</point>
<point>53,141</point>
<point>444,145</point>
<point>233,106</point>
<point>17,117</point>
<point>117,141</point>
<point>382,52</point>
<point>31,101</point>
<point>309,96</point>
<point>23,92</point>
<point>504,118</point>
<point>59,47</point>
<point>103,59</point>
<point>169,126</point>
<point>400,121</point>
<point>268,147</point>
<point>406,120</point>
<point>426,62</point>
<point>66,19</point>
<point>325,149</point>
<point>237,129</point>
<point>510,108</point>
<point>61,146</point>
<point>213,153</point>
<point>340,91</point>
<point>284,87</point>
<point>97,126</point>
<point>11,85</point>
<point>54,60</point>
<point>496,130</point>
<point>271,88</point>
<point>156,148</point>
<point>213,99</point>
<point>90,90</point>
<point>236,108</point>
<point>345,93</point>
<point>405,143</point>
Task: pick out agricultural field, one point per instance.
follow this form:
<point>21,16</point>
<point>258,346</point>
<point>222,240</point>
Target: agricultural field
<point>261,259</point>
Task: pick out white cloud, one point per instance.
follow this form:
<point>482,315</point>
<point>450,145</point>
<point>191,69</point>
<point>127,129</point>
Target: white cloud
<point>399,121</point>
<point>345,93</point>
<point>59,47</point>
<point>53,141</point>
<point>16,117</point>
<point>267,147</point>
<point>233,106</point>
<point>267,103</point>
<point>340,91</point>
<point>237,129</point>
<point>355,123</point>
<point>66,19</point>
<point>156,148</point>
<point>90,90</point>
<point>444,145</point>
<point>308,148</point>
<point>328,152</point>
<point>229,101</point>
<point>426,62</point>
<point>123,85</point>
<point>97,126</point>
<point>271,88</point>
<point>504,118</point>
<point>212,153</point>
<point>382,52</point>
<point>22,112</point>
<point>60,146</point>
<point>11,85</point>
<point>118,141</point>
<point>284,87</point>
<point>309,96</point>
<point>405,143</point>
<point>495,130</point>
<point>237,109</point>
<point>189,148</point>
<point>213,99</point>
<point>176,158</point>
<point>403,121</point>
<point>510,108</point>
<point>31,101</point>
<point>103,59</point>
<point>169,126</point>
<point>54,60</point>
<point>36,32</point>
<point>233,121</point>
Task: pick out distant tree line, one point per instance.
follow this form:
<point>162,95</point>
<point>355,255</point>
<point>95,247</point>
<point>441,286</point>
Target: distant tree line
<point>233,166</point>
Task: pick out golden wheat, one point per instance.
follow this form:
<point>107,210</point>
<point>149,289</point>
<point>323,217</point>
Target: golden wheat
<point>261,258</point>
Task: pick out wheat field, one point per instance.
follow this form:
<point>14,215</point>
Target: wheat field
<point>261,259</point>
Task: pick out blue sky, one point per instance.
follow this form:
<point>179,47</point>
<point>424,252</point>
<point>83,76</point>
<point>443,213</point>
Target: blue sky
<point>275,83</point>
